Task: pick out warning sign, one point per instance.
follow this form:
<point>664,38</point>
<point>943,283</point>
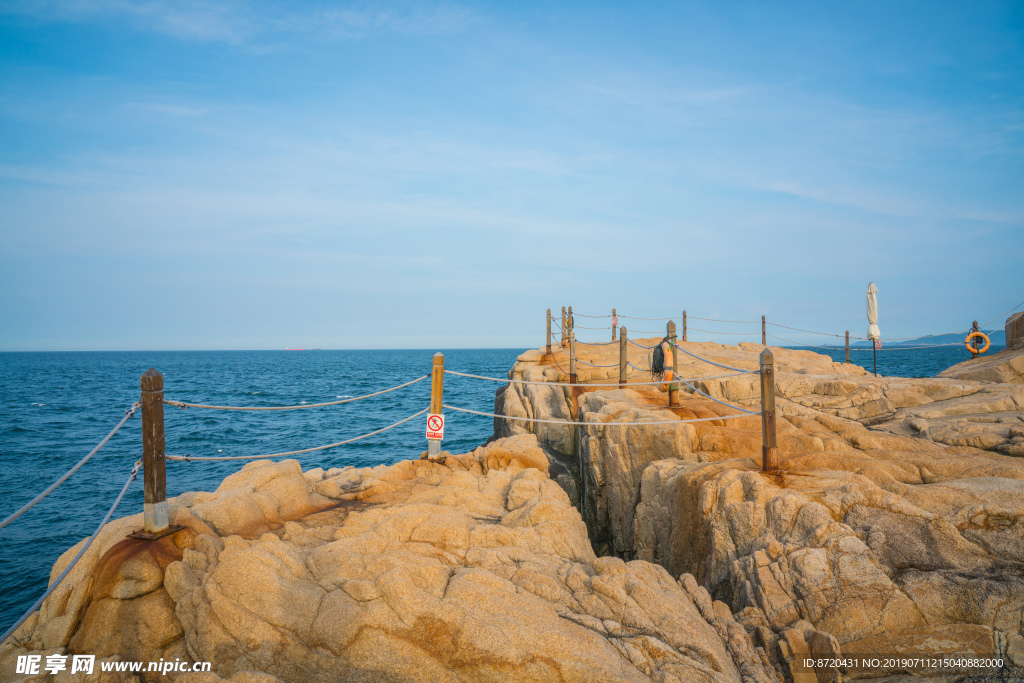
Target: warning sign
<point>615,320</point>
<point>435,426</point>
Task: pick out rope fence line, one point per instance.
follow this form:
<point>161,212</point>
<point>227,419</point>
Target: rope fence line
<point>569,384</point>
<point>796,329</point>
<point>862,348</point>
<point>640,345</point>
<point>25,508</point>
<point>583,362</point>
<point>595,423</point>
<point>182,404</point>
<point>581,327</point>
<point>59,579</point>
<point>730,405</point>
<point>741,334</point>
<point>1004,314</point>
<point>189,458</point>
<point>711,362</point>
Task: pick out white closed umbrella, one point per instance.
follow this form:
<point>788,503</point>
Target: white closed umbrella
<point>873,331</point>
<point>874,334</point>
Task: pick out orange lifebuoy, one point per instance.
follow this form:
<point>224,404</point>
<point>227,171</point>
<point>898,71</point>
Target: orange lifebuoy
<point>972,335</point>
<point>668,382</point>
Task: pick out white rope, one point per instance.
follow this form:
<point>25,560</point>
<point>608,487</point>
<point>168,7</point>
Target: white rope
<point>580,327</point>
<point>583,362</point>
<point>634,317</point>
<point>730,405</point>
<point>711,362</point>
<point>739,334</point>
<point>1003,315</point>
<point>716,320</point>
<point>595,424</point>
<point>640,345</point>
<point>53,586</point>
<point>584,315</point>
<point>127,415</point>
<point>595,384</point>
<point>823,334</point>
<point>189,458</point>
<point>596,343</point>
<point>182,404</point>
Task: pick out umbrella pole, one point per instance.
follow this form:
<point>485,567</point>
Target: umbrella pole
<point>874,357</point>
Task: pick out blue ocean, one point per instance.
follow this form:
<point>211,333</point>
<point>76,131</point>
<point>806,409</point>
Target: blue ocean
<point>55,407</point>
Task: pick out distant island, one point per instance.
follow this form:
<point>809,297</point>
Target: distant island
<point>998,338</point>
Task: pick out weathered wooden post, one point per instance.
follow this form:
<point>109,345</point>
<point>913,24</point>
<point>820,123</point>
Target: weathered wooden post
<point>569,323</point>
<point>615,321</point>
<point>769,447</point>
<point>154,464</point>
<point>623,358</point>
<point>974,340</point>
<point>684,324</point>
<point>572,350</point>
<point>436,400</point>
<point>547,337</point>
<point>672,386</point>
<point>764,341</point>
<point>562,343</point>
<point>847,347</point>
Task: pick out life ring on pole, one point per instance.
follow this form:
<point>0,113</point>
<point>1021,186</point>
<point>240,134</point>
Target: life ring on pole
<point>972,335</point>
<point>669,384</point>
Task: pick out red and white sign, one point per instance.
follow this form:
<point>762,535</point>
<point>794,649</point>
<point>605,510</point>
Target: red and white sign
<point>435,426</point>
<point>615,320</point>
<point>878,343</point>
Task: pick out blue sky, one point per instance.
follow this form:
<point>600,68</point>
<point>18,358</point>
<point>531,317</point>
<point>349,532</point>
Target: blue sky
<point>246,174</point>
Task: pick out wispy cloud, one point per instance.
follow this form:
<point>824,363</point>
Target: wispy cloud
<point>242,22</point>
<point>169,109</point>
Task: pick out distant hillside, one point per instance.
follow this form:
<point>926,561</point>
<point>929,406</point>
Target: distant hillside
<point>998,339</point>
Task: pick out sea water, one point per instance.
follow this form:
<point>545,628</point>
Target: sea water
<point>55,407</point>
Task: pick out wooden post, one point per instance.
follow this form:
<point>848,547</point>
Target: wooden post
<point>672,387</point>
<point>623,358</point>
<point>769,447</point>
<point>562,343</point>
<point>547,337</point>
<point>684,324</point>
<point>614,323</point>
<point>154,464</point>
<point>436,401</point>
<point>847,347</point>
<point>764,341</point>
<point>974,341</point>
<point>572,350</point>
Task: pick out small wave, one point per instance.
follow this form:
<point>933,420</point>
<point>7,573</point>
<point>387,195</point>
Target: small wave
<point>345,396</point>
<point>39,404</point>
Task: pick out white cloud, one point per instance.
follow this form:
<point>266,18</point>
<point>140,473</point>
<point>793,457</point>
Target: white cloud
<point>245,22</point>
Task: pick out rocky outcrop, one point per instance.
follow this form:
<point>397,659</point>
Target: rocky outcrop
<point>1006,366</point>
<point>872,540</point>
<point>473,568</point>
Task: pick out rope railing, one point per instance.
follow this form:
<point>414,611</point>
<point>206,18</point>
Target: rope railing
<point>182,404</point>
<point>724,403</point>
<point>583,362</point>
<point>581,327</point>
<point>788,327</point>
<point>642,346</point>
<point>53,586</point>
<point>711,362</point>
<point>595,423</point>
<point>741,334</point>
<point>674,380</point>
<point>190,458</point>
<point>25,508</point>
